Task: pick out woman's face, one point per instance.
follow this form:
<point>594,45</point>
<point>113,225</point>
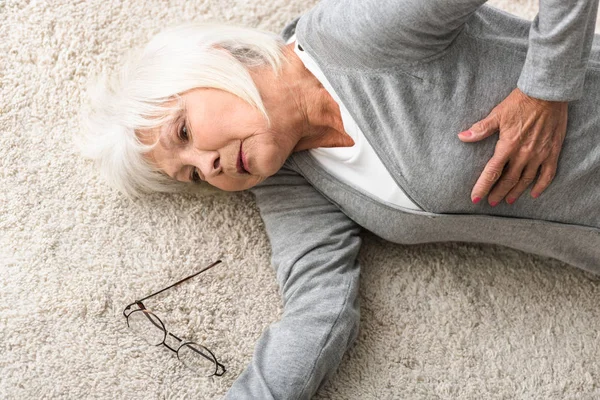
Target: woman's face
<point>220,139</point>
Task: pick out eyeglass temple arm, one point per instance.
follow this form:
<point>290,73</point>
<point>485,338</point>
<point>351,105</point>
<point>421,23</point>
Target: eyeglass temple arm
<point>139,302</point>
<point>178,282</point>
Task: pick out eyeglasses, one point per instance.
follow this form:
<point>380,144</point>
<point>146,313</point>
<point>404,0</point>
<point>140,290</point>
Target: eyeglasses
<point>148,326</point>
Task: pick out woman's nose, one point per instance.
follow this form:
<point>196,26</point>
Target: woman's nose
<point>209,164</point>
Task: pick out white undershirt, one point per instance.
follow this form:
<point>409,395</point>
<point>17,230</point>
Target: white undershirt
<point>358,165</point>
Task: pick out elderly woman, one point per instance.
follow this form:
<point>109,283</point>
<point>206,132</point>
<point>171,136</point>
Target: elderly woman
<point>354,124</point>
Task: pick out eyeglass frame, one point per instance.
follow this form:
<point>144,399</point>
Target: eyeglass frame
<point>146,311</point>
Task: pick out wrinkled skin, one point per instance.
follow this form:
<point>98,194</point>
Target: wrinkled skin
<point>531,135</point>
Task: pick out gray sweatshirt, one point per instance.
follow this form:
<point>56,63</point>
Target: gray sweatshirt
<point>414,74</point>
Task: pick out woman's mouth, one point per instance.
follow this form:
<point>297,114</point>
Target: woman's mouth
<point>242,166</point>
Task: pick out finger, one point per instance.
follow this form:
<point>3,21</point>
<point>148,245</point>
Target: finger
<point>511,176</point>
<point>481,129</point>
<point>491,173</point>
<point>547,174</point>
<point>526,179</point>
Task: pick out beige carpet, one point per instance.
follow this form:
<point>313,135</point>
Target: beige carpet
<point>439,321</point>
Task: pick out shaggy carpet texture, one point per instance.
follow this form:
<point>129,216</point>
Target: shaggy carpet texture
<point>439,321</point>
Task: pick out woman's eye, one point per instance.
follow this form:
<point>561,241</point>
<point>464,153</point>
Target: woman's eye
<point>195,175</point>
<point>183,134</point>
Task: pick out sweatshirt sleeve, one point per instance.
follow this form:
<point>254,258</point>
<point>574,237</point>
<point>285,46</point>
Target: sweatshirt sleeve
<point>381,33</point>
<point>389,33</point>
<point>314,249</point>
<point>560,39</point>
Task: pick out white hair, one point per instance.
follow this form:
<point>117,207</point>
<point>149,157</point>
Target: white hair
<point>176,60</point>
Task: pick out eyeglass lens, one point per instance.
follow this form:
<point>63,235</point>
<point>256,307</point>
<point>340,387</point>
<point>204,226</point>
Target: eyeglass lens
<point>198,358</point>
<point>149,327</point>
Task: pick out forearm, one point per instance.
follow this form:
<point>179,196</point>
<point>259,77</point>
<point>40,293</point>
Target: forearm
<point>560,39</point>
<point>295,355</point>
<point>314,249</point>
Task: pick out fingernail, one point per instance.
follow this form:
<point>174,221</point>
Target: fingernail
<point>494,203</point>
<point>510,201</point>
<point>466,133</point>
<point>476,200</point>
<point>535,195</point>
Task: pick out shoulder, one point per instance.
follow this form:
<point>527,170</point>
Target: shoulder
<point>290,28</point>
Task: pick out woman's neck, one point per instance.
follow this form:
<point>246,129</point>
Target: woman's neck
<point>299,105</point>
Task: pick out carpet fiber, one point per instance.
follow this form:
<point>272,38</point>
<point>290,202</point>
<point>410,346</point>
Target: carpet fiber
<point>443,320</point>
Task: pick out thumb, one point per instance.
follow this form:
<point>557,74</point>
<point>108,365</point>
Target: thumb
<point>481,129</point>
